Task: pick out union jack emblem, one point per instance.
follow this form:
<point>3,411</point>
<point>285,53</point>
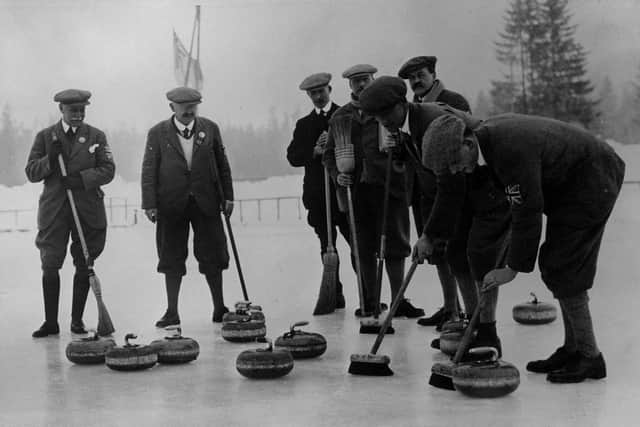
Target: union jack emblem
<point>513,194</point>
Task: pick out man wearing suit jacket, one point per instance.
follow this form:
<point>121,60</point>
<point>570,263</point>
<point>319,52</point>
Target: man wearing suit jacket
<point>89,165</point>
<point>179,190</point>
<point>368,183</point>
<point>305,150</point>
<point>452,267</point>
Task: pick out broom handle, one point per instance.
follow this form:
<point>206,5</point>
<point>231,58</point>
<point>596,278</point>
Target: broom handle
<point>383,233</point>
<point>468,332</point>
<point>236,257</point>
<point>394,307</point>
<point>76,218</point>
<point>327,199</point>
<point>354,248</point>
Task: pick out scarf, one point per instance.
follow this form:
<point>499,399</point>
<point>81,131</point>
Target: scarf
<point>432,94</point>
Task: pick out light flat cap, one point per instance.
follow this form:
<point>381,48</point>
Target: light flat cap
<point>184,95</point>
<point>382,94</point>
<point>441,143</point>
<point>315,80</point>
<point>359,69</point>
<point>73,96</point>
<point>415,64</point>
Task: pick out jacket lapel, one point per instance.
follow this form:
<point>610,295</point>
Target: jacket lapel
<point>66,143</point>
<point>172,137</point>
<point>197,140</point>
<point>80,141</point>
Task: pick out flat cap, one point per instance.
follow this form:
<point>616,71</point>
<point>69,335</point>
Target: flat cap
<point>359,69</point>
<point>441,143</point>
<point>315,80</point>
<point>184,95</point>
<point>382,94</point>
<point>72,96</point>
<point>415,64</point>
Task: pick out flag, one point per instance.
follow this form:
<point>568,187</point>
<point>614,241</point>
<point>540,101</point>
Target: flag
<point>181,63</point>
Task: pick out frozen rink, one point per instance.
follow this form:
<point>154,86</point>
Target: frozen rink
<point>39,386</point>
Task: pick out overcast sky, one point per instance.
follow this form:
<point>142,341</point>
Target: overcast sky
<point>255,53</point>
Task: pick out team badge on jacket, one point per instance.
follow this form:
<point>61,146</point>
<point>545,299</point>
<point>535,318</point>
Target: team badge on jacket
<point>513,194</point>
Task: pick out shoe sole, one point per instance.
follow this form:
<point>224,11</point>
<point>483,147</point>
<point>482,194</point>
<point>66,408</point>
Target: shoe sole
<point>168,325</point>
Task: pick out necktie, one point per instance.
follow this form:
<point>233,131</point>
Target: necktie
<point>70,132</point>
<point>186,133</point>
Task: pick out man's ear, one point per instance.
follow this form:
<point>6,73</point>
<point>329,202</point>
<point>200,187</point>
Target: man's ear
<point>60,107</point>
<point>329,87</point>
<point>171,106</point>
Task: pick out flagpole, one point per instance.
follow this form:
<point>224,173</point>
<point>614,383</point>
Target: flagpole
<point>193,31</point>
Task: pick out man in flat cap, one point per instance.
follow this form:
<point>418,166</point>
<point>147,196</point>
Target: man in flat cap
<point>368,183</point>
<point>179,189</point>
<point>305,150</point>
<point>420,71</point>
<point>442,210</point>
<point>545,167</point>
<point>89,165</point>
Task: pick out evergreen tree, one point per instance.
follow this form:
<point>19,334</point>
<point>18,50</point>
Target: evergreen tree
<point>483,106</point>
<point>606,123</point>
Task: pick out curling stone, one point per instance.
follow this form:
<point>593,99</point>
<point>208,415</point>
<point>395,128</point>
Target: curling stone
<point>534,312</point>
<point>449,341</point>
<point>244,309</point>
<point>176,349</point>
<point>90,350</point>
<point>487,378</point>
<point>264,362</point>
<point>243,330</point>
<point>131,357</point>
<point>302,345</point>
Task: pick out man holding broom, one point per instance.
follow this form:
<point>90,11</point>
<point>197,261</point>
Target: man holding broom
<point>89,165</point>
<point>305,150</point>
<point>368,183</point>
<point>179,190</point>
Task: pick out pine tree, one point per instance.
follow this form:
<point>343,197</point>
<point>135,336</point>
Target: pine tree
<point>606,124</point>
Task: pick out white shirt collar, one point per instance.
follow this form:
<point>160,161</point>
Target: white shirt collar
<point>182,127</point>
<point>65,127</point>
<point>405,126</point>
<point>481,160</point>
<point>326,108</point>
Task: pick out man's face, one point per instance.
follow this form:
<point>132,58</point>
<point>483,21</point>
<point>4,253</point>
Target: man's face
<point>358,83</point>
<point>421,81</point>
<point>393,118</point>
<point>320,96</point>
<point>185,113</point>
<point>467,156</point>
<point>73,114</point>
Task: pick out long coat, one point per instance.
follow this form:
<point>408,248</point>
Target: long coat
<point>547,166</point>
<point>300,153</point>
<point>87,154</point>
<point>166,178</point>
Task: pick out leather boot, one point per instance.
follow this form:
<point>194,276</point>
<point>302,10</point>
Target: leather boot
<point>51,296</point>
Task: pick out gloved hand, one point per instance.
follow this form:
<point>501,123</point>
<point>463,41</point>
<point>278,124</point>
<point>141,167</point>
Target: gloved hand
<point>72,182</point>
<point>422,249</point>
<point>228,208</point>
<point>345,179</point>
<point>152,214</point>
<point>55,149</point>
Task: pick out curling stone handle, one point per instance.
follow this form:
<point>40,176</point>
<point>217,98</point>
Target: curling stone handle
<point>481,350</point>
<point>297,324</point>
<point>129,337</point>
<point>535,298</point>
<point>176,329</point>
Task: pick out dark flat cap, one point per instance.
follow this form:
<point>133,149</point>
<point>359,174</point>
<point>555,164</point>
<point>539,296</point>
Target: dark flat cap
<point>415,64</point>
<point>382,94</point>
<point>184,95</point>
<point>441,143</point>
<point>73,96</point>
<point>359,69</point>
<point>315,80</point>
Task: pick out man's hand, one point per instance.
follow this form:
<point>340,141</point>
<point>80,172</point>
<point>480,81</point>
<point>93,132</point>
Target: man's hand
<point>345,179</point>
<point>152,214</point>
<point>228,208</point>
<point>72,182</point>
<point>389,140</point>
<point>55,149</point>
<point>422,249</point>
<point>321,142</point>
<point>497,277</point>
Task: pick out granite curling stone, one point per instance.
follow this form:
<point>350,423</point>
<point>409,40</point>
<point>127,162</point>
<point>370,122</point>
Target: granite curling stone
<point>263,363</point>
<point>131,357</point>
<point>244,309</point>
<point>302,345</point>
<point>486,378</point>
<point>534,312</point>
<point>176,349</point>
<point>243,330</point>
<point>90,350</point>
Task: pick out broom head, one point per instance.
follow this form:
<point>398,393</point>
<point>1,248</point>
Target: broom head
<point>441,373</point>
<point>105,325</point>
<point>370,365</point>
<point>327,297</point>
